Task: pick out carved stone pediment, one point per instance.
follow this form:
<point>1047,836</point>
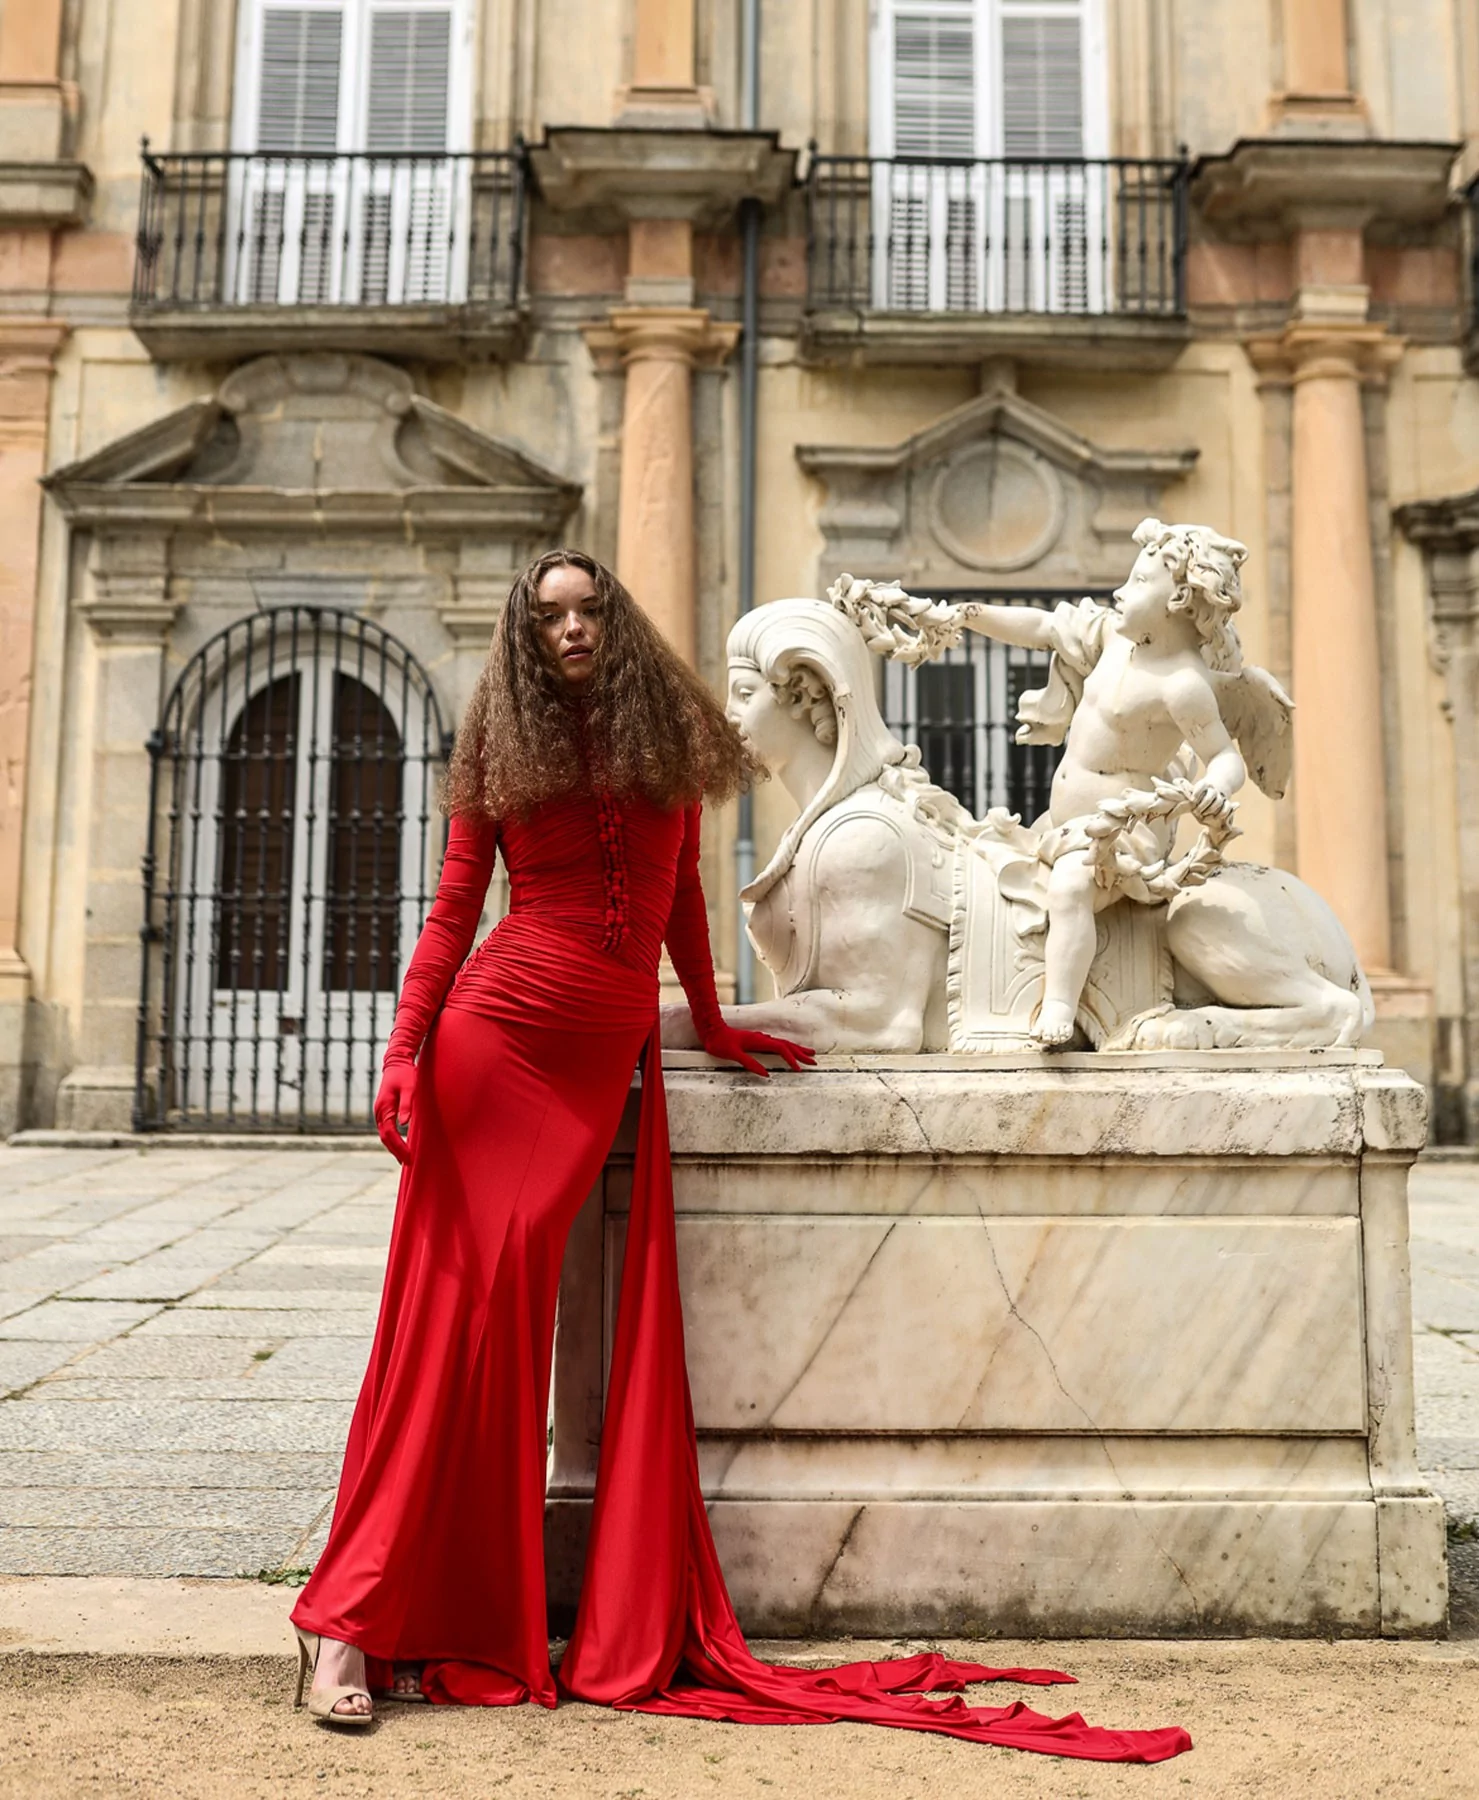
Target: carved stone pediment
<point>315,442</point>
<point>996,493</point>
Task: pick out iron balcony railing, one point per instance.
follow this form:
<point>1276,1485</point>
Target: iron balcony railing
<point>279,229</point>
<point>1081,236</point>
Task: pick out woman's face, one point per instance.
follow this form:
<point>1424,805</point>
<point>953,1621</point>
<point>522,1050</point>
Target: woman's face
<point>768,727</point>
<point>567,616</point>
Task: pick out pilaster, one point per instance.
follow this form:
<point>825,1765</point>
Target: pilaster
<point>1447,531</point>
<point>27,349</point>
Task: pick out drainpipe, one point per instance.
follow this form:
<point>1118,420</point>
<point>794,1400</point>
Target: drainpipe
<point>744,844</point>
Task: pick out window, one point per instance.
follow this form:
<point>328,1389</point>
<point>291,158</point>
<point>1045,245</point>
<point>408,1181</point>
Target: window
<point>989,78</point>
<point>962,712</point>
<point>1012,94</point>
<point>346,112</point>
<point>322,76</point>
<point>295,773</point>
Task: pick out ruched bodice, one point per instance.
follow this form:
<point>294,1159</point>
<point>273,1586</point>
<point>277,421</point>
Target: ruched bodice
<point>600,869</point>
<point>587,872</point>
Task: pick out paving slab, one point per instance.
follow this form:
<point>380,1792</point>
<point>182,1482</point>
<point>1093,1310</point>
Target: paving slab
<point>76,1321</point>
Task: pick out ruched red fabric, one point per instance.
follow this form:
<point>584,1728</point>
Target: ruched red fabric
<point>436,1553</point>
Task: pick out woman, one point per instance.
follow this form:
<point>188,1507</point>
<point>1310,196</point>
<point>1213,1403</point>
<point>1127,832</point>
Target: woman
<point>584,756</point>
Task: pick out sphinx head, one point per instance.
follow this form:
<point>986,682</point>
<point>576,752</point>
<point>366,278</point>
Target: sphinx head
<point>800,675</point>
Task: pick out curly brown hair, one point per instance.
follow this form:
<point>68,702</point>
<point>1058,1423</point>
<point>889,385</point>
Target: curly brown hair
<point>645,723</point>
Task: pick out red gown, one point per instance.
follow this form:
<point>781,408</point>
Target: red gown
<point>436,1554</point>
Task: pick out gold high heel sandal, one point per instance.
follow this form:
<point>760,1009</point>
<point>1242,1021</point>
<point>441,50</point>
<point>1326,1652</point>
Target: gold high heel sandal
<point>322,1701</point>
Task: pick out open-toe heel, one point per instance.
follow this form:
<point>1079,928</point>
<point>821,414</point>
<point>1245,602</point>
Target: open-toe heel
<point>322,1701</point>
<point>407,1696</point>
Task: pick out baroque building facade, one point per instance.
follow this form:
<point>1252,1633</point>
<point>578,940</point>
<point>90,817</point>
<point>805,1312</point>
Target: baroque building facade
<point>739,295</point>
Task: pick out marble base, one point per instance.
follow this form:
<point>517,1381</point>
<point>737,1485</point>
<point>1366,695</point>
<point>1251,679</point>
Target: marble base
<point>1087,1345</point>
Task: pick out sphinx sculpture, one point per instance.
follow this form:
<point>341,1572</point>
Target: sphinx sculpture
<point>893,920</point>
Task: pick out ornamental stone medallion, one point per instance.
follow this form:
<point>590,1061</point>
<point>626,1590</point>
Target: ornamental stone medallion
<point>996,506</point>
<point>994,489</point>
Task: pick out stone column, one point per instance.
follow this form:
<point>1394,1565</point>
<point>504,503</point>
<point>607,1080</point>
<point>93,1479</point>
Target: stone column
<point>659,347</point>
<point>1339,764</point>
<point>27,347</point>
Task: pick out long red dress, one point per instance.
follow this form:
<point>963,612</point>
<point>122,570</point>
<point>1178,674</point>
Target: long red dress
<point>436,1554</point>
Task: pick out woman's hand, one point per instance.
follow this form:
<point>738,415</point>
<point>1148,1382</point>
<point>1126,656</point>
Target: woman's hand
<point>393,1107</point>
<point>731,1044</point>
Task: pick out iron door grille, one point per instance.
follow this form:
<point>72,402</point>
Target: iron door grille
<point>293,841</point>
<point>962,711</point>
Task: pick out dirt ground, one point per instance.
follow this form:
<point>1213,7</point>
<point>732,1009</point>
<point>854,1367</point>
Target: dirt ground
<point>1277,1719</point>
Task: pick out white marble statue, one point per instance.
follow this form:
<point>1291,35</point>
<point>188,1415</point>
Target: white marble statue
<point>891,920</point>
<point>852,913</point>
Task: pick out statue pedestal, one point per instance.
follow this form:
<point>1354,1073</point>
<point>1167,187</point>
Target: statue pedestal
<point>1089,1345</point>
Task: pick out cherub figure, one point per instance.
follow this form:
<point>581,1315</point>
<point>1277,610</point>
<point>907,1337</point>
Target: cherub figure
<point>1132,689</point>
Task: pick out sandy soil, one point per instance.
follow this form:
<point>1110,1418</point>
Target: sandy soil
<point>1277,1719</point>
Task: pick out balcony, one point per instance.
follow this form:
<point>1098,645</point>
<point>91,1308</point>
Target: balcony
<point>408,255</point>
<point>1075,262</point>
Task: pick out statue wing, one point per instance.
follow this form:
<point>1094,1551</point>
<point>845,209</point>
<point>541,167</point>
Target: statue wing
<point>1259,714</point>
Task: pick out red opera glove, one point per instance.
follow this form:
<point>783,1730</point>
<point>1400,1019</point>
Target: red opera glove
<point>731,1044</point>
<point>393,1106</point>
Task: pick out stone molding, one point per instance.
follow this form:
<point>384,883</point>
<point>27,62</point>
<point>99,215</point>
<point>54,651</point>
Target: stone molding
<point>126,598</point>
<point>1267,187</point>
<point>1311,350</point>
<point>308,446</point>
<point>28,350</point>
<point>905,509</point>
<point>685,334</point>
<point>44,193</point>
<point>1123,342</point>
<point>649,173</point>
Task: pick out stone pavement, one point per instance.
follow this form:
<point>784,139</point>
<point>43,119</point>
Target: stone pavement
<point>182,1333</point>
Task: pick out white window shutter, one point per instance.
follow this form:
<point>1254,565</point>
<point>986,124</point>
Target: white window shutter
<point>1042,87</point>
<point>409,77</point>
<point>934,84</point>
<point>298,94</point>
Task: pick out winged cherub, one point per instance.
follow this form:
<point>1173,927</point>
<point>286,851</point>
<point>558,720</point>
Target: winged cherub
<point>1131,690</point>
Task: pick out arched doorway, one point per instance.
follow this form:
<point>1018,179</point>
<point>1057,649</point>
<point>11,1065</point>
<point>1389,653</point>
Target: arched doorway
<point>293,846</point>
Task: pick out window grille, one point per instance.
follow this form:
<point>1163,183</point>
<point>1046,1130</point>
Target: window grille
<point>961,711</point>
<point>294,838</point>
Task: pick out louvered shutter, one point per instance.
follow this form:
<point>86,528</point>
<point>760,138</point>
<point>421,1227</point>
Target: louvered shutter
<point>298,89</point>
<point>406,248</point>
<point>410,67</point>
<point>1042,116</point>
<point>934,84</point>
<point>933,78</point>
<point>288,245</point>
<point>1042,87</point>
